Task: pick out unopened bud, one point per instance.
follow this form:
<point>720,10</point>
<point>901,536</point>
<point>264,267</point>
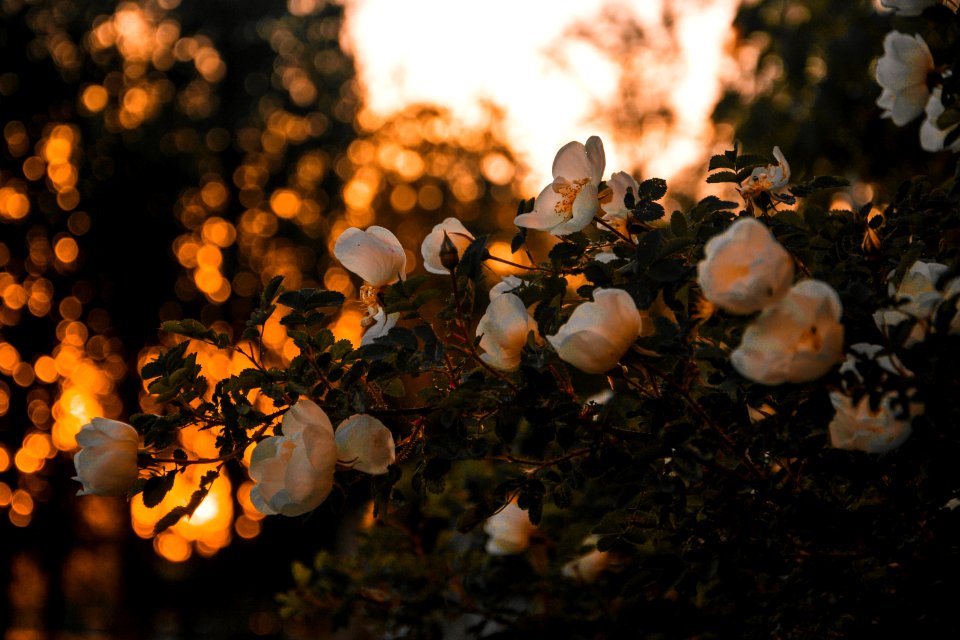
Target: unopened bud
<point>449,257</point>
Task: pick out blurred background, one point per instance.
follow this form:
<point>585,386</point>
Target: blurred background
<point>164,159</point>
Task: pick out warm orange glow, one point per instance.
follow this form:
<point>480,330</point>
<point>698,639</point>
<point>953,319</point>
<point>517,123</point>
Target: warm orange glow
<point>13,204</point>
<point>66,249</point>
<point>347,326</point>
<point>4,461</point>
<point>9,358</point>
<point>94,98</point>
<point>21,502</point>
<point>45,369</point>
<point>285,203</point>
<point>5,493</point>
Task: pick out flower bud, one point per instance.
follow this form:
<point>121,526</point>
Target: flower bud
<point>449,256</point>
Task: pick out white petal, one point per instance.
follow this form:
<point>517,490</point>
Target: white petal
<point>365,443</point>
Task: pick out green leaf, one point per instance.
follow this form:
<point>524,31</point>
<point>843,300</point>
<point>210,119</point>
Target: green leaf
<point>270,291</point>
<point>678,224</point>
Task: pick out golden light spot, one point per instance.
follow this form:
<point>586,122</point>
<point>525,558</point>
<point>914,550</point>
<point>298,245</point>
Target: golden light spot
<point>21,520</point>
<point>66,249</point>
<point>430,197</point>
<point>39,445</point>
<point>285,203</point>
<point>207,279</point>
<point>68,199</point>
<point>38,412</point>
<point>13,204</point>
<point>497,168</point>
<point>403,198</point>
<point>4,465</point>
<point>70,308</point>
<point>9,358</point>
<point>26,463</point>
<point>347,327</point>
<point>34,168</point>
<point>358,194</point>
<point>23,374</point>
<point>214,194</point>
<point>409,165</point>
<point>186,248</point>
<point>172,547</point>
<point>360,217</point>
<point>17,139</point>
<point>246,527</point>
<point>5,493</point>
<point>219,232</point>
<point>209,257</point>
<point>337,279</point>
<point>46,369</point>
<point>62,175</point>
<point>501,249</point>
<point>59,146</point>
<point>94,98</point>
<point>21,502</point>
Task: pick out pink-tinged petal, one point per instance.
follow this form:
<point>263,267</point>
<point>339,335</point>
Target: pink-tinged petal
<point>509,530</point>
<point>909,104</point>
<point>365,443</point>
<point>305,414</point>
<point>571,162</point>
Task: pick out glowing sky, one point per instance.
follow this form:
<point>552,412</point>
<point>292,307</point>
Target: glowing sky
<point>456,53</point>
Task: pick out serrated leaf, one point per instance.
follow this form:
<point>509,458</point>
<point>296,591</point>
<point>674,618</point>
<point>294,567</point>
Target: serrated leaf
<point>652,189</point>
<point>722,162</point>
<point>723,176</point>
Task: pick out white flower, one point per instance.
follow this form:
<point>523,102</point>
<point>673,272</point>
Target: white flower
<point>866,351</point>
<point>293,472</point>
<point>509,284</point>
<point>503,331</point>
<point>769,178</point>
<point>430,249</point>
<point>588,567</point>
<point>107,461</point>
<point>382,323</point>
<point>908,8</point>
<point>569,203</point>
<point>615,211</point>
<point>917,297</point>
<point>902,71</point>
<point>375,255</point>
<point>509,530</point>
<point>932,137</point>
<point>859,428</point>
<point>744,268</point>
<point>598,333</point>
<point>798,340</point>
<point>366,444</point>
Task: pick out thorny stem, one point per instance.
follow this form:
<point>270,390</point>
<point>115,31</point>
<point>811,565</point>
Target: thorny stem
<point>542,463</point>
<point>702,413</point>
<point>612,229</point>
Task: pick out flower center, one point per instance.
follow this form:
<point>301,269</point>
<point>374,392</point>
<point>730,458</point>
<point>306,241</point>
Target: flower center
<point>568,193</point>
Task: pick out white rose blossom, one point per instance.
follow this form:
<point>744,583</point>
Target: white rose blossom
<point>588,567</point>
<point>902,72</point>
<point>908,8</point>
<point>508,284</point>
<point>770,178</point>
<point>861,429</point>
<point>107,461</point>
<point>570,202</point>
<point>375,255</point>
<point>509,531</point>
<point>293,472</point>
<point>744,268</point>
<point>598,333</point>
<point>917,297</point>
<point>366,444</point>
<point>932,137</point>
<point>503,331</point>
<point>430,249</point>
<point>797,340</point>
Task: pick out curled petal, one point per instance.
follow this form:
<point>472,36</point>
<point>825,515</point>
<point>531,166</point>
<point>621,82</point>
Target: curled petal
<point>375,255</point>
<point>366,444</point>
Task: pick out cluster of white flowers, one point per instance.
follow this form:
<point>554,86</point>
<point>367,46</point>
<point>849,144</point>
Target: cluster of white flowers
<point>798,336</point>
<point>293,472</point>
<point>917,298</point>
<point>859,426</point>
<point>908,76</point>
<point>597,333</point>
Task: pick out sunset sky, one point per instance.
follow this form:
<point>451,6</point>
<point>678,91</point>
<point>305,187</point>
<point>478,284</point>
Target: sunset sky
<point>508,53</point>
